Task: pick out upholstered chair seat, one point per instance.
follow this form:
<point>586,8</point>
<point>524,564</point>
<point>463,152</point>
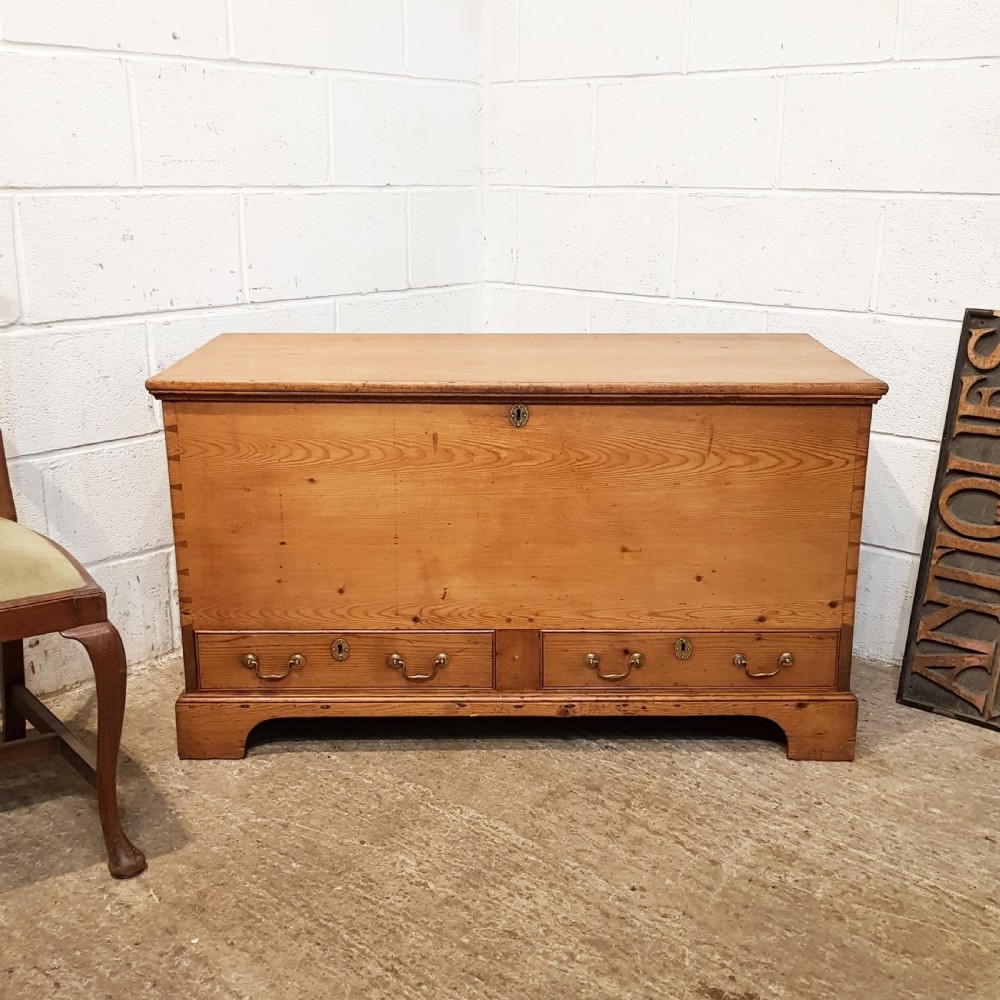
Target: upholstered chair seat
<point>31,566</point>
<point>44,590</point>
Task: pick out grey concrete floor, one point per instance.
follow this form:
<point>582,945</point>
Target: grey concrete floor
<point>507,859</point>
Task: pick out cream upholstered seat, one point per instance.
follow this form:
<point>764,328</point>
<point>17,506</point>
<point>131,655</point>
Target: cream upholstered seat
<point>31,565</point>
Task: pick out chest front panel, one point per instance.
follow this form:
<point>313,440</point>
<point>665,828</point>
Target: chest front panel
<point>383,515</point>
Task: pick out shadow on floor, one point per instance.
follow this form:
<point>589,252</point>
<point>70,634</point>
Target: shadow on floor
<point>42,839</point>
<point>408,733</point>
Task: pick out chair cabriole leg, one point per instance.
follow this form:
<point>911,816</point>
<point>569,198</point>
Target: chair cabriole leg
<point>107,656</point>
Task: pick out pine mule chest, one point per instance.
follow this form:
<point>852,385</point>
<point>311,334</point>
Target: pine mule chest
<point>465,525</point>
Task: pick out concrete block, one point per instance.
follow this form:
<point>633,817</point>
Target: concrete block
<point>443,38</point>
<point>140,603</point>
<point>499,45</point>
<point>728,34</point>
<point>180,27</point>
<point>403,132</point>
<point>499,206</point>
<point>75,386</point>
<point>926,129</point>
<point>200,125</point>
<point>64,122</point>
<point>510,309</point>
<point>444,237</point>
<point>619,241</point>
<point>413,312</point>
<point>898,492</point>
<point>709,131</point>
<point>337,34</point>
<point>936,30</point>
<point>631,315</point>
<point>886,582</point>
<point>540,134</point>
<point>940,257</point>
<point>174,337</point>
<point>570,38</point>
<point>778,250</point>
<point>10,304</point>
<point>111,501</point>
<point>113,254</point>
<point>28,486</point>
<point>301,245</point>
<point>914,357</point>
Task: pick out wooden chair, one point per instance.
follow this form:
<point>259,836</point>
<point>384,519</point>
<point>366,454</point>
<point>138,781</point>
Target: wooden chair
<point>44,589</point>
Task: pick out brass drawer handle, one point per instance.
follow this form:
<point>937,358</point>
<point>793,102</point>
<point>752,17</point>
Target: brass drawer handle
<point>741,663</point>
<point>396,662</point>
<point>593,661</point>
<point>295,662</point>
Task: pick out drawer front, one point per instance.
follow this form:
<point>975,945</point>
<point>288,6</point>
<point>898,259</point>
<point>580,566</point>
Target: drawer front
<point>334,661</point>
<point>689,659</point>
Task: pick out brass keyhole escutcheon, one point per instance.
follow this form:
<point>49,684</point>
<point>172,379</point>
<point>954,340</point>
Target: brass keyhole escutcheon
<point>683,648</point>
<point>341,649</point>
<point>518,415</point>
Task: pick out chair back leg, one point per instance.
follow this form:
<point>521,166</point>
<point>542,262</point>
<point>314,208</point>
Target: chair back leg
<point>107,656</point>
<point>11,673</point>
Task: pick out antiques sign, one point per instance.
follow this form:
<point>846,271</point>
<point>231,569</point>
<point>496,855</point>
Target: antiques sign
<point>950,665</point>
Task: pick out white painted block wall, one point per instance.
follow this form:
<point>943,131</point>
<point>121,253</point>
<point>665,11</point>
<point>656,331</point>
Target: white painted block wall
<point>168,171</point>
<point>759,165</point>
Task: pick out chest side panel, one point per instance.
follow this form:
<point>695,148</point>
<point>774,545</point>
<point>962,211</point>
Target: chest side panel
<point>440,515</point>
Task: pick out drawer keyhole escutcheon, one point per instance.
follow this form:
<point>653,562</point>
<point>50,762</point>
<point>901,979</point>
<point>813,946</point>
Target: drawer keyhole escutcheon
<point>295,662</point>
<point>518,415</point>
<point>396,662</point>
<point>340,649</point>
<point>593,661</point>
<point>683,648</point>
<point>784,660</point>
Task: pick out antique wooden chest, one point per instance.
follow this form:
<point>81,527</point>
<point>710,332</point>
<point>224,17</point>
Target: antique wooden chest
<point>516,525</point>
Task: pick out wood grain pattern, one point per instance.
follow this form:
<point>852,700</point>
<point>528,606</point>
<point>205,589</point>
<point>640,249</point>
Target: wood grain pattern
<point>818,725</point>
<point>710,664</point>
<point>587,366</point>
<point>470,660</point>
<point>709,486</point>
<point>518,659</point>
<point>445,516</point>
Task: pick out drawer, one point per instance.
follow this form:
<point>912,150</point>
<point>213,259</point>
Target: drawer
<point>689,659</point>
<point>334,661</point>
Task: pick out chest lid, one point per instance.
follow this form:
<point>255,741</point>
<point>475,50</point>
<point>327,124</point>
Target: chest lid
<point>653,367</point>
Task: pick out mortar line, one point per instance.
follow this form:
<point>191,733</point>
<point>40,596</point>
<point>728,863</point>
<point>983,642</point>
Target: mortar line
<point>241,236</point>
<point>779,140</point>
<point>710,303</point>
<point>675,246</point>
<point>897,42</point>
<point>148,190</point>
<point>233,64</point>
<point>798,69</point>
<point>407,238</point>
<point>686,38</point>
<point>190,312</point>
<point>877,261</point>
<point>20,274</point>
<point>330,168</point>
<point>594,89</point>
<point>53,454</point>
<point>517,41</point>
<point>130,557</point>
<point>405,19</point>
<point>230,30</point>
<point>133,118</point>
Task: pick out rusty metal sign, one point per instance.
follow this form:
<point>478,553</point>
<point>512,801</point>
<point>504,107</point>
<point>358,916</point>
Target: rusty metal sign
<point>951,661</point>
